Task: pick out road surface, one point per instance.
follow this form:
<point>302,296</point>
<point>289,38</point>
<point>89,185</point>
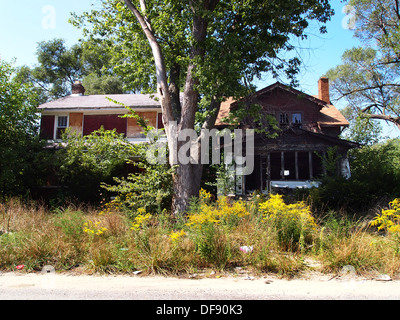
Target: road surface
<point>38,286</point>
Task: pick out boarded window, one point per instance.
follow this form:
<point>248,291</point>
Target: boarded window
<point>109,122</point>
<point>160,124</point>
<point>47,127</point>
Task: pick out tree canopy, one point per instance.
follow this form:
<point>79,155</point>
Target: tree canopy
<point>59,66</point>
<point>20,149</point>
<point>368,78</point>
<point>196,53</point>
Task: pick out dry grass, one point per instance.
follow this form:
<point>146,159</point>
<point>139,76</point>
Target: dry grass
<point>34,236</point>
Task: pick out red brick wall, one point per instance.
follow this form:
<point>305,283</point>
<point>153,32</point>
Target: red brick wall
<point>280,101</point>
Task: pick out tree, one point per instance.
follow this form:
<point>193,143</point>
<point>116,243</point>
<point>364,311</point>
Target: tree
<point>202,51</point>
<point>362,130</point>
<point>368,78</point>
<point>22,160</point>
<point>58,68</point>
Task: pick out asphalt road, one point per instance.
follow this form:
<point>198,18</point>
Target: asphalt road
<point>20,286</point>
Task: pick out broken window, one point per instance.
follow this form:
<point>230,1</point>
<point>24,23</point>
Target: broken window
<point>296,119</point>
<point>283,118</point>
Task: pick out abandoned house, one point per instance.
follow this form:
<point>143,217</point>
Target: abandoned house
<point>308,127</point>
<point>87,113</point>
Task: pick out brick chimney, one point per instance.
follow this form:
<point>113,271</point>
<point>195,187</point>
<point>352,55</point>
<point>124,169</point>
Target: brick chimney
<point>78,89</point>
<point>323,90</point>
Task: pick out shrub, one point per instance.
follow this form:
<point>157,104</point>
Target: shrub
<point>389,221</point>
<point>375,171</point>
<point>293,223</point>
<point>88,161</point>
<point>150,189</point>
<point>209,226</point>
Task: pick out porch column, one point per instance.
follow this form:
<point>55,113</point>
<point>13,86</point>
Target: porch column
<point>296,164</point>
<point>268,172</point>
<point>282,165</point>
<point>310,164</point>
<point>261,174</point>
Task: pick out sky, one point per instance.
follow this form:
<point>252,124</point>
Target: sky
<point>24,23</point>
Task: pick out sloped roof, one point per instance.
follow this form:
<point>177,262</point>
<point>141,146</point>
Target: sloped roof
<point>284,87</point>
<point>335,140</point>
<point>93,102</point>
<point>329,115</point>
<point>294,131</point>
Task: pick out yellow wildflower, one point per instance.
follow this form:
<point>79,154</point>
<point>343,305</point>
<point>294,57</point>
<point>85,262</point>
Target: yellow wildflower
<point>176,235</point>
<point>141,219</point>
<point>389,218</point>
<point>91,227</point>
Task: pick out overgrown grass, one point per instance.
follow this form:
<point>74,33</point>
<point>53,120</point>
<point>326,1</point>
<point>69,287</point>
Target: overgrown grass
<point>259,235</point>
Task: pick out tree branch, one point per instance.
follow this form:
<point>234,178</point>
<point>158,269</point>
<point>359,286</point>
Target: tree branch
<point>161,71</point>
<point>394,120</point>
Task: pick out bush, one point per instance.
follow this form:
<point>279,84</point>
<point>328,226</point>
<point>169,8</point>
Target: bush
<point>149,189</point>
<point>88,161</point>
<point>389,221</point>
<point>375,172</point>
<point>293,223</point>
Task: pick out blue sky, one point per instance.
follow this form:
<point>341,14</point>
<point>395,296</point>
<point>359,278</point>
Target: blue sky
<point>24,23</point>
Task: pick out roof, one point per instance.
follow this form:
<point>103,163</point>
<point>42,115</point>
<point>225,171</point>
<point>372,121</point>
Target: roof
<point>93,102</point>
<point>335,140</point>
<point>282,86</point>
<point>329,115</point>
<point>294,131</point>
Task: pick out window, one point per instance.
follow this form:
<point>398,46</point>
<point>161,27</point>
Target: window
<point>61,125</point>
<point>283,118</point>
<point>296,119</point>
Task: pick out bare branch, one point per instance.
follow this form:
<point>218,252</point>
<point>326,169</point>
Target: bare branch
<point>394,120</point>
<point>161,70</point>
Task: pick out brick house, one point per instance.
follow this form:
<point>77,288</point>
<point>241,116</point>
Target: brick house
<point>309,126</point>
<point>87,113</point>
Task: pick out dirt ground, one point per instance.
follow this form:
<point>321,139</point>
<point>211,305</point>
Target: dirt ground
<point>313,286</point>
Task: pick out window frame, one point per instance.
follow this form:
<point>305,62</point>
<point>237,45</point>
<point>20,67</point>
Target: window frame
<point>56,124</point>
<point>285,116</point>
<point>299,124</point>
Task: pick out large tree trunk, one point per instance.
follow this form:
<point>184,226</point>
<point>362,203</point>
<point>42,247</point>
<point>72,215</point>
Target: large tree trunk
<point>187,178</point>
<point>186,185</point>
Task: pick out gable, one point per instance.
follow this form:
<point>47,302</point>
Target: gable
<point>279,100</point>
<point>293,105</point>
<point>281,90</point>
